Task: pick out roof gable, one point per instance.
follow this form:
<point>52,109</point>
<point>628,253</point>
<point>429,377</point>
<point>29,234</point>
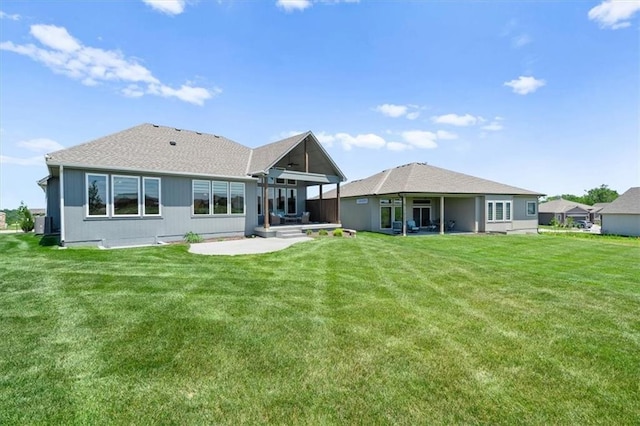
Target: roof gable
<point>627,203</point>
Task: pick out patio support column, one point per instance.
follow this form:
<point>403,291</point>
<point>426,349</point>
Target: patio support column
<point>404,216</point>
<point>265,201</point>
<point>441,214</point>
<point>61,183</point>
<point>477,215</point>
<point>338,202</point>
<point>321,218</point>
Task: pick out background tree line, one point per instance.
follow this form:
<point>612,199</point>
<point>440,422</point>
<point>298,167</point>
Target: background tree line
<point>601,194</point>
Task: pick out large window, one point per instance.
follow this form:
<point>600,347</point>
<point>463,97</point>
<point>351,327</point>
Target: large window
<point>498,211</point>
<point>281,195</point>
<point>259,199</point>
<point>151,195</point>
<point>390,211</point>
<point>126,195</point>
<point>220,197</point>
<point>97,190</point>
<point>291,201</point>
<point>532,208</point>
<point>201,197</point>
<point>237,198</point>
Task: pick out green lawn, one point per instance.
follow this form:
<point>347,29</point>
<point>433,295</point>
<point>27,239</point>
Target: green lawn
<point>538,329</point>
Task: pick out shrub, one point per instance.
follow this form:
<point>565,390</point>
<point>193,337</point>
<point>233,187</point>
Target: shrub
<point>569,222</point>
<point>191,237</point>
<point>323,232</point>
<point>26,218</point>
<point>337,232</point>
<point>309,232</point>
<point>554,222</point>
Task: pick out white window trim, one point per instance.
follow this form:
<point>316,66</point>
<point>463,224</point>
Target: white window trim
<point>113,196</point>
<point>193,184</point>
<point>535,213</point>
<point>86,194</point>
<point>244,198</point>
<point>144,198</point>
<point>494,210</point>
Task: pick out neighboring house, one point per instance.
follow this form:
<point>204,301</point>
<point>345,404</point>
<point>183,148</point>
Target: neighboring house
<point>153,183</point>
<point>3,220</point>
<point>38,212</point>
<point>595,211</point>
<point>622,216</point>
<point>562,210</point>
<point>434,197</point>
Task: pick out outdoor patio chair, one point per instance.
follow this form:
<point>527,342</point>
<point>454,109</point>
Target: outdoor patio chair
<point>397,227</point>
<point>412,227</point>
<point>274,219</point>
<point>305,217</point>
<point>450,225</point>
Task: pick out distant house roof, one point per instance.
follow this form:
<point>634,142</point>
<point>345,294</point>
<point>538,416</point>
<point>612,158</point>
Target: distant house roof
<point>561,206</point>
<point>153,148</point>
<point>627,203</point>
<point>423,178</point>
<point>598,206</point>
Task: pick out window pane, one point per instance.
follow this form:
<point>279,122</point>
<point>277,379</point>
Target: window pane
<point>97,195</point>
<point>270,199</point>
<point>508,211</point>
<point>201,196</point>
<point>151,196</point>
<point>398,213</point>
<point>237,198</point>
<point>259,193</point>
<point>280,200</point>
<point>499,211</point>
<point>220,197</point>
<point>531,208</point>
<point>385,217</point>
<point>126,196</point>
<point>489,211</point>
<point>291,201</point>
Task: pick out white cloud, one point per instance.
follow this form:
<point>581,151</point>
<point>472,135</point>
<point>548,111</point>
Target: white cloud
<point>444,135</point>
<point>170,7</point>
<point>398,146</point>
<point>520,41</point>
<point>40,145</point>
<point>494,126</point>
<point>614,14</point>
<point>524,85</point>
<point>92,66</point>
<point>14,17</point>
<point>368,140</point>
<point>394,111</point>
<point>391,110</point>
<point>325,138</point>
<point>292,5</point>
<point>420,138</point>
<point>31,161</point>
<point>456,120</point>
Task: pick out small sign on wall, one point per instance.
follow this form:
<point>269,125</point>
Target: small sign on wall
<point>362,201</point>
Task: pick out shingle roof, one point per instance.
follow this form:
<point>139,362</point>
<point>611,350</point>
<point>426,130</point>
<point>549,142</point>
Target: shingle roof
<point>627,203</point>
<point>561,205</point>
<point>423,178</point>
<point>149,147</point>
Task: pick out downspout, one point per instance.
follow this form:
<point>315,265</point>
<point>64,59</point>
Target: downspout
<point>62,236</point>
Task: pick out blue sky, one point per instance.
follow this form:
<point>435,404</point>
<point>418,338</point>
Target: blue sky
<point>540,95</point>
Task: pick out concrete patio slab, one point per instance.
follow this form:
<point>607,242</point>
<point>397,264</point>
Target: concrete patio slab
<point>245,246</point>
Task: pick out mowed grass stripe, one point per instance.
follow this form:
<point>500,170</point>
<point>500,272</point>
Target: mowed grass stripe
<point>377,329</point>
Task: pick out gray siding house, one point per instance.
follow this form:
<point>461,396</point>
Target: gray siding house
<point>151,184</point>
<point>437,200</point>
<point>622,215</point>
<point>562,210</point>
